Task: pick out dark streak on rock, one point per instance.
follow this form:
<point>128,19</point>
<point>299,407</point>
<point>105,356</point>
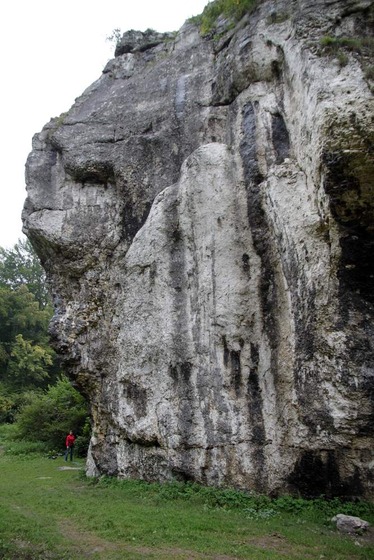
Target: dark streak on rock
<point>316,474</point>
<point>281,140</point>
<point>255,409</point>
<point>137,396</point>
<point>258,223</point>
<point>348,183</point>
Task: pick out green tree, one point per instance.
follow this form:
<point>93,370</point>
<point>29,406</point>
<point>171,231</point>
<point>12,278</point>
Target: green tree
<point>6,408</point>
<point>28,364</point>
<point>20,314</point>
<point>20,266</point>
<point>48,417</point>
<point>24,341</point>
<point>26,358</point>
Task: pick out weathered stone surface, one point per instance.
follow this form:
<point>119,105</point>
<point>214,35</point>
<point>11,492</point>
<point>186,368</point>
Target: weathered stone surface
<point>350,524</point>
<point>204,213</point>
<point>137,41</point>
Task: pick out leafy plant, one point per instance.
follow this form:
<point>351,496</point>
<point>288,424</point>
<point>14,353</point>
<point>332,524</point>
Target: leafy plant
<point>29,362</point>
<point>49,416</point>
<point>20,266</point>
<point>6,407</point>
<point>83,439</point>
<point>230,9</point>
<point>26,357</point>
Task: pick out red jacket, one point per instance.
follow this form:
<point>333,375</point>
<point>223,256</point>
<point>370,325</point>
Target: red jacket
<point>70,439</point>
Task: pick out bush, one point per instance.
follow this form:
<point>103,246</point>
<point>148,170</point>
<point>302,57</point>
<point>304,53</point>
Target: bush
<point>231,9</point>
<point>6,408</point>
<point>49,416</point>
<point>11,402</point>
<point>83,440</point>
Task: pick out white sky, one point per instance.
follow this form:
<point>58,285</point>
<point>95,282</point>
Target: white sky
<point>49,53</point>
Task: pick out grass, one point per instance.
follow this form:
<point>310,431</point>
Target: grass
<point>339,46</point>
<point>353,44</point>
<point>52,514</point>
<point>361,47</point>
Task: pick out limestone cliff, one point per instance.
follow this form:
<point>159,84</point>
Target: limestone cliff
<point>204,213</point>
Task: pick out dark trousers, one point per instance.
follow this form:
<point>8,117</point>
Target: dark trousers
<point>69,451</point>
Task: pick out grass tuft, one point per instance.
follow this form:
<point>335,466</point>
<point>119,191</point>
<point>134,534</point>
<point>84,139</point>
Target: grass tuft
<point>360,45</point>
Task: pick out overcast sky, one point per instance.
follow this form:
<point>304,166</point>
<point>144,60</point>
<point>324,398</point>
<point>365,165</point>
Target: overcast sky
<point>49,53</point>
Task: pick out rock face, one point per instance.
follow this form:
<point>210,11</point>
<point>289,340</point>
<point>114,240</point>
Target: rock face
<point>204,213</point>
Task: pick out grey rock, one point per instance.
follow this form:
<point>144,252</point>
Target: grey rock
<point>140,41</point>
<point>350,524</point>
<point>204,213</point>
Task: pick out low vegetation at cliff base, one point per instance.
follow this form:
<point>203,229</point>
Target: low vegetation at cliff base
<point>51,511</point>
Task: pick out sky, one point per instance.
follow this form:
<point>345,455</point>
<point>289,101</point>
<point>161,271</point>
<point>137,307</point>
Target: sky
<point>49,54</point>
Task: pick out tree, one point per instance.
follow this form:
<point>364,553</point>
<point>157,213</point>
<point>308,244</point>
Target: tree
<point>50,416</point>
<point>20,313</point>
<point>28,364</point>
<point>26,357</point>
<point>20,266</point>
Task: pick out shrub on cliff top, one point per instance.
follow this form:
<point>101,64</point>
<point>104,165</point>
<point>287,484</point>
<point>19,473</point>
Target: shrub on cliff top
<point>231,9</point>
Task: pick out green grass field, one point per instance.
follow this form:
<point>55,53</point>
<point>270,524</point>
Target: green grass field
<point>53,514</point>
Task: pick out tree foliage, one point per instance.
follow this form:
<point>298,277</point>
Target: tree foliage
<point>26,358</point>
<point>49,416</point>
<point>20,266</point>
<point>29,362</point>
<point>43,411</point>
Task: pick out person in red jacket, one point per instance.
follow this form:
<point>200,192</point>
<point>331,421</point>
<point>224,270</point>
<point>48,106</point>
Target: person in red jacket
<point>70,439</point>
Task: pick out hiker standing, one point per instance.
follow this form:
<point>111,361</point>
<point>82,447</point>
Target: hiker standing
<point>70,439</point>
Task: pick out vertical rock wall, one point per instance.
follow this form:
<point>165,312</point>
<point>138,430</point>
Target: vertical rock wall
<point>204,213</point>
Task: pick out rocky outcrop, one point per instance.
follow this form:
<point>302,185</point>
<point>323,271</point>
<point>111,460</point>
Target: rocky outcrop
<point>204,214</point>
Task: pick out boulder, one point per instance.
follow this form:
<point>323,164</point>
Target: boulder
<point>350,524</point>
